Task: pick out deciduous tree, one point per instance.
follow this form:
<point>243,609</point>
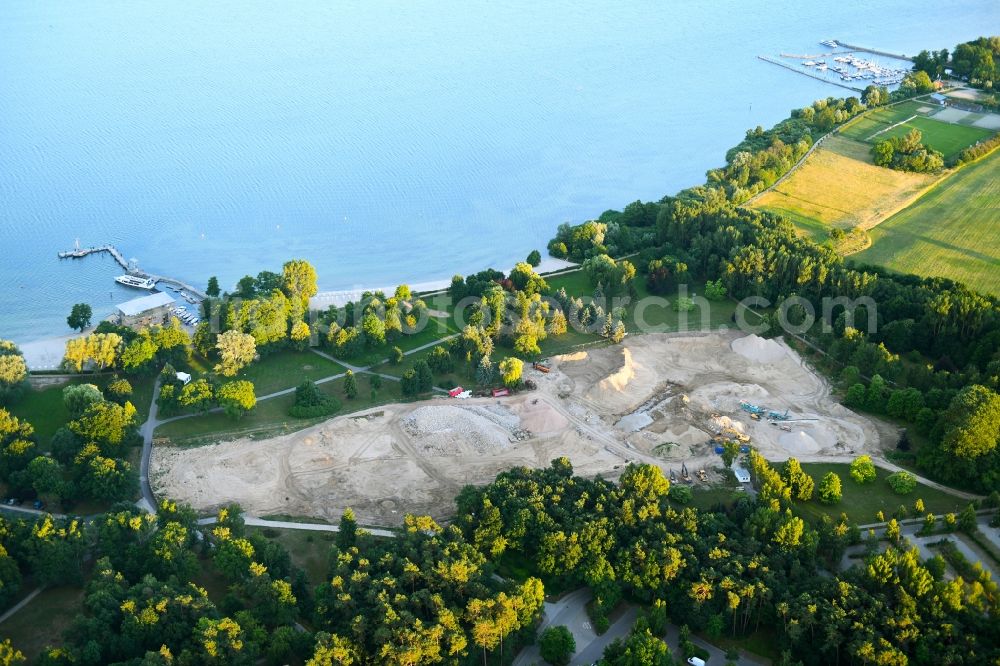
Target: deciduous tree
<point>236,351</point>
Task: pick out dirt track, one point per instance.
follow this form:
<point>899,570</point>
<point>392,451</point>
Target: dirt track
<point>658,398</point>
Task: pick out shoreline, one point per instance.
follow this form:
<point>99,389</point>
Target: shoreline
<point>340,297</point>
<point>47,353</point>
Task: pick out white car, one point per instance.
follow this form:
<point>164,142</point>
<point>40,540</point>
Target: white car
<point>696,661</point>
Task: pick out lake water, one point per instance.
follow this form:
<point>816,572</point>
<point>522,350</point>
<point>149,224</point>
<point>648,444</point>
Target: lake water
<point>381,140</point>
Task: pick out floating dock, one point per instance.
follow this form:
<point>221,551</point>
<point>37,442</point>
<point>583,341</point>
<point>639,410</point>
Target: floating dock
<point>81,252</point>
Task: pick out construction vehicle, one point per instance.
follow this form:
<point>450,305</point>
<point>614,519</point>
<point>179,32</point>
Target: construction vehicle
<point>673,476</point>
<point>778,416</point>
<point>755,417</point>
<point>541,367</point>
<point>685,477</point>
<point>702,476</point>
<point>751,408</point>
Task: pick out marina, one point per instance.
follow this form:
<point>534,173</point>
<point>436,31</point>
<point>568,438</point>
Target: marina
<point>843,67</point>
<point>135,277</point>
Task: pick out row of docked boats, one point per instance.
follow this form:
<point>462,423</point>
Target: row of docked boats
<point>187,317</point>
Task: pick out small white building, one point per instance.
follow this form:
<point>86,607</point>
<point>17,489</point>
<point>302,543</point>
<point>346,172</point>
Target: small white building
<point>184,377</point>
<point>742,473</point>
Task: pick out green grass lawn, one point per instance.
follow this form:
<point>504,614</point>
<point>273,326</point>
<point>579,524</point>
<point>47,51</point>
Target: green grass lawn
<point>949,138</point>
<point>44,408</point>
<point>42,622</point>
<point>211,580</point>
<point>270,417</point>
<point>287,369</point>
<point>866,125</point>
<point>861,503</point>
<point>706,499</point>
<point>951,231</point>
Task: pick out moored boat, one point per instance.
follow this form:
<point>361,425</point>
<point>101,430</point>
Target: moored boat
<point>135,281</point>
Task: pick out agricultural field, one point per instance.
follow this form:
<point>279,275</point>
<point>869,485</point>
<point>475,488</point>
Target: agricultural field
<point>952,231</point>
<point>839,186</point>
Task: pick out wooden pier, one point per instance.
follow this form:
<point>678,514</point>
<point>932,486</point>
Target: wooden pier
<point>80,252</point>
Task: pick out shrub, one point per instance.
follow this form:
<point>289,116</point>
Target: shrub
<point>902,482</point>
<point>311,403</point>
<point>863,470</point>
<point>681,494</point>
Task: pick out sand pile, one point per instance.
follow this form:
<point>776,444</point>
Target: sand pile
<point>797,443</point>
<point>447,430</point>
<point>618,381</point>
<point>757,349</point>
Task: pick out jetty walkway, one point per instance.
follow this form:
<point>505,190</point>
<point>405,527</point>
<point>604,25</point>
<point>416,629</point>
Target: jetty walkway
<point>80,252</point>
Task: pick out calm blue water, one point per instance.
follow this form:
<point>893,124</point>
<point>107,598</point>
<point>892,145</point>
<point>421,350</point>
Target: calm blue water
<point>381,140</point>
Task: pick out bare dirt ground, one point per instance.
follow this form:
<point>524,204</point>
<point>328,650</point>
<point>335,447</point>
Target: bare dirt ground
<point>657,399</point>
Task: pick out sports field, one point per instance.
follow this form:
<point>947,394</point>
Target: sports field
<point>948,138</point>
<point>839,186</point>
<point>877,121</point>
<point>952,231</point>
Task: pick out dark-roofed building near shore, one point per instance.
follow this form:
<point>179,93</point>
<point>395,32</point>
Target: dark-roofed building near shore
<point>144,311</point>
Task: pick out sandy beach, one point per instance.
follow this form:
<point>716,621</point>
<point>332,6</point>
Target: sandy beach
<point>47,354</point>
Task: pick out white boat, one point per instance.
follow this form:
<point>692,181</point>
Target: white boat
<point>137,282</point>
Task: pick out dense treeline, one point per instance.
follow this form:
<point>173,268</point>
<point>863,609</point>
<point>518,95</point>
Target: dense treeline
<point>980,149</point>
<point>730,573</point>
<point>977,62</point>
<point>425,597</point>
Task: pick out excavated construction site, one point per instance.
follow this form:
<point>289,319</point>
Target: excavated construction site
<point>657,398</point>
